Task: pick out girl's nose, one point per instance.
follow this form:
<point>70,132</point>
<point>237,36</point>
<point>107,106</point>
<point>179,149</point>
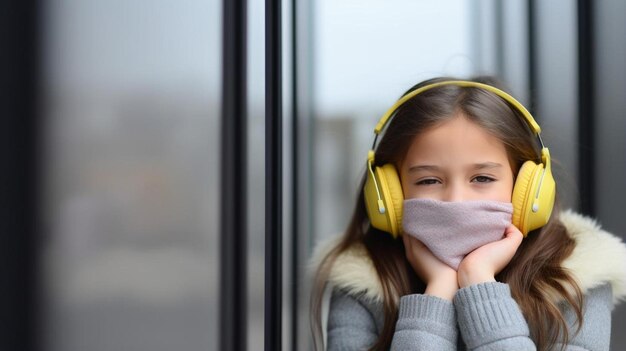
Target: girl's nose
<point>454,193</point>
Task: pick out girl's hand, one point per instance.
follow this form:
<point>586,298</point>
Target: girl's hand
<point>482,264</point>
<point>441,280</point>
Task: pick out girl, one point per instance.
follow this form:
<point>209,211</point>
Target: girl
<point>456,243</point>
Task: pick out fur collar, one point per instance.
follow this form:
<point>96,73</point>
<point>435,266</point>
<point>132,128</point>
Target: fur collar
<point>598,258</point>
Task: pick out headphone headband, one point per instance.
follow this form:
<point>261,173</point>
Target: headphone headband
<point>462,83</point>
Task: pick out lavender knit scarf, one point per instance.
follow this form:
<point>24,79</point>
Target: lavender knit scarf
<point>451,230</point>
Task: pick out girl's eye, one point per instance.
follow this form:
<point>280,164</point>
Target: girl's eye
<point>429,181</point>
<point>483,179</point>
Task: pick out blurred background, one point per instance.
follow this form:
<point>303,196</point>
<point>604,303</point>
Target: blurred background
<point>113,150</point>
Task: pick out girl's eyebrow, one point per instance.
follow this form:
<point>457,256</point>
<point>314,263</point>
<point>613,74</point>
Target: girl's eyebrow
<point>476,166</point>
<point>486,165</point>
<point>423,168</point>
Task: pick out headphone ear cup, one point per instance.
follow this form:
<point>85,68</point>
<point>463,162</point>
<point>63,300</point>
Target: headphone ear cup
<point>531,190</point>
<point>521,195</point>
<point>391,194</point>
<point>370,193</point>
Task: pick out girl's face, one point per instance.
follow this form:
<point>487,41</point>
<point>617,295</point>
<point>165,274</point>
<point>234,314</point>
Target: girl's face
<point>457,161</point>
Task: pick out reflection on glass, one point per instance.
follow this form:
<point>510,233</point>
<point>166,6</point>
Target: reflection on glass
<point>132,110</point>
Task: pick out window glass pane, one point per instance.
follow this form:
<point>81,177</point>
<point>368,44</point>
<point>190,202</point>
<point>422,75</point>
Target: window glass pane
<point>131,99</point>
<point>255,153</point>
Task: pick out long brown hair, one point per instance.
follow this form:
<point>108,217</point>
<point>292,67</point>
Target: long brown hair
<point>535,276</point>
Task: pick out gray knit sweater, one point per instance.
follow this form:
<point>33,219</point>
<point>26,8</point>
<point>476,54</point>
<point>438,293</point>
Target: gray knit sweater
<point>483,316</point>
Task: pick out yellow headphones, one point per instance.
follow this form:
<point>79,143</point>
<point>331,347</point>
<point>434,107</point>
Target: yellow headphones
<point>533,193</point>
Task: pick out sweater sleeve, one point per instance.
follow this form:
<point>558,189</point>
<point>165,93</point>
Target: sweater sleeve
<point>425,323</point>
<point>489,318</point>
<point>351,325</point>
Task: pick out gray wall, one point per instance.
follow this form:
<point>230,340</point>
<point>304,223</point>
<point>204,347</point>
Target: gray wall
<point>556,108</point>
<point>611,131</point>
<point>556,91</point>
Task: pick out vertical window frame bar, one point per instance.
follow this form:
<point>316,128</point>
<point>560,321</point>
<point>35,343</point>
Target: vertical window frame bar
<point>586,107</point>
<point>273,175</point>
<point>20,35</point>
<point>295,176</point>
<point>234,175</point>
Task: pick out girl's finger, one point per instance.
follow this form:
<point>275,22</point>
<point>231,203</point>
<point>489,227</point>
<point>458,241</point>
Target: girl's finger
<point>513,235</point>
